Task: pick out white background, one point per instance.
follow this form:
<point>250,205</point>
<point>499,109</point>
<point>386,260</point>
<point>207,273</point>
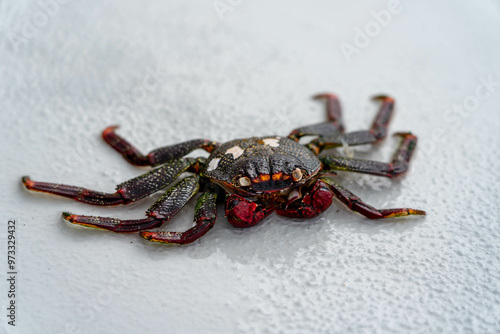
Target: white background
<point>245,72</point>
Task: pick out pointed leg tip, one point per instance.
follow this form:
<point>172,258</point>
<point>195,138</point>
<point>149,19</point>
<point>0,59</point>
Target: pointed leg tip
<point>153,236</point>
<point>403,134</point>
<point>146,235</point>
<point>325,96</point>
<point>73,219</point>
<point>109,129</point>
<point>383,97</point>
<point>418,212</point>
<point>27,182</point>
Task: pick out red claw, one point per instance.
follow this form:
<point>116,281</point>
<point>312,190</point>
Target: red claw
<point>241,212</point>
<point>322,197</point>
<point>314,202</point>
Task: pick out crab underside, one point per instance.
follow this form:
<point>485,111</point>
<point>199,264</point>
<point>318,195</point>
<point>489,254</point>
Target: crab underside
<point>255,177</point>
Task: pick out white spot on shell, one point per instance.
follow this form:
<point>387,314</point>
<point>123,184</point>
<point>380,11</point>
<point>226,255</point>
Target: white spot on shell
<point>244,181</point>
<point>273,142</point>
<point>236,151</point>
<point>213,164</point>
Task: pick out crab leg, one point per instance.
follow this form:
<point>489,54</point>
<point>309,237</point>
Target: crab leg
<point>204,220</point>
<point>334,125</point>
<point>126,192</point>
<point>166,207</point>
<point>377,131</point>
<point>398,165</point>
<point>155,157</point>
<point>357,205</point>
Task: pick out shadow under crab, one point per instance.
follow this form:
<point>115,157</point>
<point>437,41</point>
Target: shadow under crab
<point>257,176</point>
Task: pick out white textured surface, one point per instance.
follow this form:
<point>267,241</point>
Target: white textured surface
<point>252,73</point>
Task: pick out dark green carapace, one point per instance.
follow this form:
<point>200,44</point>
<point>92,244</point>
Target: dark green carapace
<point>267,161</point>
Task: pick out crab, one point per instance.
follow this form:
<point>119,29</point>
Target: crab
<point>254,176</point>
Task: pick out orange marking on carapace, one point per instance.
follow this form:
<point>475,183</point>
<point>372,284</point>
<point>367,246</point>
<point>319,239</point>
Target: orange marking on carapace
<point>261,178</point>
<point>277,176</point>
<point>264,177</point>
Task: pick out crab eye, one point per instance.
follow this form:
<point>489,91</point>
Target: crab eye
<point>244,181</point>
<point>297,174</point>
